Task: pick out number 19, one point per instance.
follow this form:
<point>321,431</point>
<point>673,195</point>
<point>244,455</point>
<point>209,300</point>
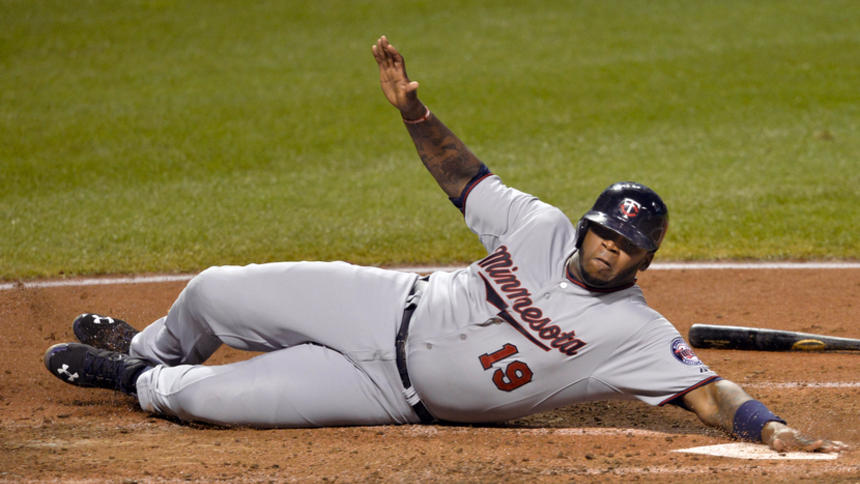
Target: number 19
<point>516,374</point>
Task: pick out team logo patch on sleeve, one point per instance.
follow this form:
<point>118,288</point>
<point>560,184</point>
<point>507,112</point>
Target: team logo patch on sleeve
<point>683,353</point>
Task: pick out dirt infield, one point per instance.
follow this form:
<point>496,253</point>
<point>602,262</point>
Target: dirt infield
<point>56,432</point>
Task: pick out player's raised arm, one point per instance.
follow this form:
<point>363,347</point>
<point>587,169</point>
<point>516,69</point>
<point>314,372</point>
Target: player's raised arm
<point>445,156</point>
<point>725,405</point>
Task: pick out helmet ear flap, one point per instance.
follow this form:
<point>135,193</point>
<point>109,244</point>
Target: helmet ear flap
<point>581,229</point>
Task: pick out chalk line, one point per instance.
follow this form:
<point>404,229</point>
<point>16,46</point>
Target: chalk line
<point>95,281</point>
<point>675,266</point>
<point>672,266</point>
<point>803,384</point>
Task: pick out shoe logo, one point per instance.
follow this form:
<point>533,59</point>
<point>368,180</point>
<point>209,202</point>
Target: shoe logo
<point>102,319</point>
<point>65,371</point>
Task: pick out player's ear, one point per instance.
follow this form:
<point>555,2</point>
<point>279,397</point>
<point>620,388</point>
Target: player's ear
<point>646,261</point>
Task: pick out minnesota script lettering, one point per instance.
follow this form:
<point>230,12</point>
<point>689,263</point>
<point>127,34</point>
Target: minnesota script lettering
<point>539,329</point>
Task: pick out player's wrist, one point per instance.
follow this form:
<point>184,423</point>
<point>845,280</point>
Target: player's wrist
<point>771,431</point>
<point>753,421</point>
<point>416,115</point>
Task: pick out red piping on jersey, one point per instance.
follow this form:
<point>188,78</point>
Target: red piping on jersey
<point>684,392</point>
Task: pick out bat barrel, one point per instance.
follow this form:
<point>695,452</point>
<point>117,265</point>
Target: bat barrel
<point>762,339</point>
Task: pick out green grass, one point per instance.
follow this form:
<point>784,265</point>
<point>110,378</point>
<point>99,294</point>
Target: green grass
<point>163,136</point>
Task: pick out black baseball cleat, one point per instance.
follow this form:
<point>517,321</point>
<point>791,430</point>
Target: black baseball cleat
<point>85,366</point>
<point>103,332</point>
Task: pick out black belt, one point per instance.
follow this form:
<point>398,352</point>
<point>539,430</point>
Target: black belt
<point>400,349</point>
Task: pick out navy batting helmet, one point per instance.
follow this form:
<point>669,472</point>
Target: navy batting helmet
<point>632,210</point>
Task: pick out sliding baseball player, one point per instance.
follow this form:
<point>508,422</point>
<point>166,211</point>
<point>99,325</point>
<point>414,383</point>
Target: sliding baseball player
<point>550,317</point>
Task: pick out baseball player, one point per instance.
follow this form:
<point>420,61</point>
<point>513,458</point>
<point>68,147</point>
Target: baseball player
<point>550,317</point>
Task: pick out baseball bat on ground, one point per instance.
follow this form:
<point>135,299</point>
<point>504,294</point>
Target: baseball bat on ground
<point>740,338</point>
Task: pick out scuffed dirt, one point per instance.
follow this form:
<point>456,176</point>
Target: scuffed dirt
<point>56,432</point>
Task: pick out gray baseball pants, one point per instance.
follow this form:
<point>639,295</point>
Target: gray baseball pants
<point>326,330</point>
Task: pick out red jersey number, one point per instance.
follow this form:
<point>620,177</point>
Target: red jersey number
<point>516,374</point>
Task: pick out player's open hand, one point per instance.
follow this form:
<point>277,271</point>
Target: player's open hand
<point>787,439</point>
<point>398,89</point>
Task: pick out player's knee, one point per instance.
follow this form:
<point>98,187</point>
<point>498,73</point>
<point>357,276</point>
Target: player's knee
<point>205,285</point>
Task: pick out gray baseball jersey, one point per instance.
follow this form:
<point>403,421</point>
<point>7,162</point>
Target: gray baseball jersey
<point>508,336</point>
<point>515,334</point>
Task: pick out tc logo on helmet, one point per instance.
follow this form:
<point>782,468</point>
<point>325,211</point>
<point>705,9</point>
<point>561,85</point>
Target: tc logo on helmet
<point>630,208</point>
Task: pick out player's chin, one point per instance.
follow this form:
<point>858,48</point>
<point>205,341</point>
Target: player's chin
<point>599,274</point>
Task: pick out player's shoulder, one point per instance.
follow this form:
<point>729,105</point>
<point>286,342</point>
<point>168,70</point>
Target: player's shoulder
<point>549,215</point>
<point>492,191</point>
<point>629,304</point>
<point>493,187</point>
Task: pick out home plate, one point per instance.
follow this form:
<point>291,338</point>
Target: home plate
<point>744,450</point>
